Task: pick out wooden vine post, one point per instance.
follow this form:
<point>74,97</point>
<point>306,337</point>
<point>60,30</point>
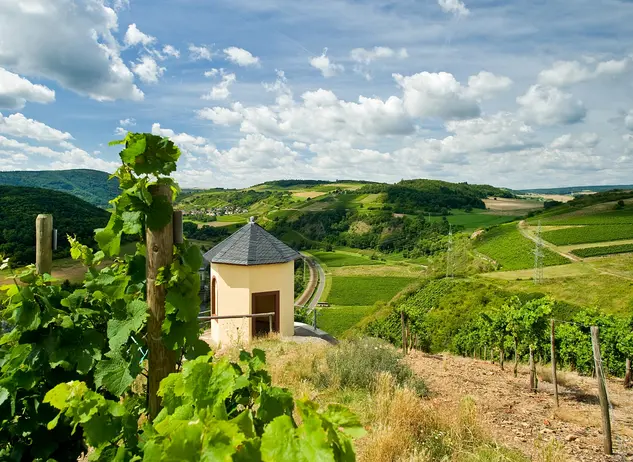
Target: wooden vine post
<point>554,380</point>
<point>162,361</point>
<point>602,392</point>
<point>44,244</point>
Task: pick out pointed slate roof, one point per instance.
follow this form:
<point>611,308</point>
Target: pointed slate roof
<point>251,245</point>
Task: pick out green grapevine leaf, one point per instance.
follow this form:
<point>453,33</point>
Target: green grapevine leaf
<point>113,375</point>
<point>132,222</point>
<point>274,402</point>
<point>119,329</point>
<point>343,418</point>
<point>160,213</point>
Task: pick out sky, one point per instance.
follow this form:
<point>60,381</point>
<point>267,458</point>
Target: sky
<point>520,94</point>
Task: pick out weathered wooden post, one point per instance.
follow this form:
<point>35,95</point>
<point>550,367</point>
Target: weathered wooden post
<point>44,244</point>
<point>179,237</point>
<point>554,380</point>
<point>162,361</point>
<point>628,382</point>
<point>602,392</point>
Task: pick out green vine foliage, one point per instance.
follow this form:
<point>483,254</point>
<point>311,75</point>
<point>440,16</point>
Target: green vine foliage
<point>72,364</point>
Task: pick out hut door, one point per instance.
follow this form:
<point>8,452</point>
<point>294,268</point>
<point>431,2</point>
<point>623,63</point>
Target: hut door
<point>265,302</point>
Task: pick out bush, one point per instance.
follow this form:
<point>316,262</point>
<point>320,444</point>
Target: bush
<point>303,314</point>
<point>357,364</point>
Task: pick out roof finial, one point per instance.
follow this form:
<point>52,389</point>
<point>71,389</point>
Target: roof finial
<point>252,219</point>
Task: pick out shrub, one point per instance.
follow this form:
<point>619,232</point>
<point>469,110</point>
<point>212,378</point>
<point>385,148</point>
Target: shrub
<point>357,363</point>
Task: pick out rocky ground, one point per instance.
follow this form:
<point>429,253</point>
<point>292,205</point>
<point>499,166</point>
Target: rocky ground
<point>526,421</point>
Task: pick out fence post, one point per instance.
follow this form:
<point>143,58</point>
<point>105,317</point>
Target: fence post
<point>602,392</point>
<point>162,361</point>
<point>270,323</point>
<point>179,237</point>
<point>44,244</point>
<point>627,374</point>
<point>315,317</point>
<point>554,380</point>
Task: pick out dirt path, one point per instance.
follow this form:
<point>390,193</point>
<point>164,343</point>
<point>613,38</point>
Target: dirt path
<point>524,420</point>
<point>522,227</point>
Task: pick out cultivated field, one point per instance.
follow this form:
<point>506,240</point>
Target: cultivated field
<point>505,205</point>
<point>589,234</point>
<point>339,258</point>
<point>365,290</point>
<point>510,249</point>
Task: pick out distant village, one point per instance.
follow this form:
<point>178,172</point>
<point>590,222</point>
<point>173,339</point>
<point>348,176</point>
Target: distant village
<point>216,211</point>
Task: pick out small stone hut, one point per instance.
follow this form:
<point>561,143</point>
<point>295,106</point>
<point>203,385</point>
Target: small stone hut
<point>251,272</point>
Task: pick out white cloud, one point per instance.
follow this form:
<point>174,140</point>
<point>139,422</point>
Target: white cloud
<point>19,126</point>
<point>147,69</point>
<point>549,106</point>
<point>134,36</point>
<point>260,152</point>
<point>501,132</point>
<point>15,91</point>
<point>565,73</point>
<point>437,95</point>
<point>178,138</point>
<point>69,42</point>
<point>120,131</point>
<point>241,57</point>
<point>455,7</point>
<point>320,115</point>
<point>171,51</point>
<point>127,122</point>
<point>582,141</point>
<point>365,56</point>
<point>200,52</point>
<point>486,84</point>
<point>222,90</point>
<point>327,67</point>
<point>221,116</point>
<point>213,72</point>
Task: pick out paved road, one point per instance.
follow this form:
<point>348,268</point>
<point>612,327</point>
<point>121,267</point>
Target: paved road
<point>312,283</point>
<point>320,287</point>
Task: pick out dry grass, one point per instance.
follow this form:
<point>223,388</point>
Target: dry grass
<point>308,194</point>
<point>562,378</point>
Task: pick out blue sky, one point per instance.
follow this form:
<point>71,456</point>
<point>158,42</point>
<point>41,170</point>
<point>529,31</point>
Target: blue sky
<point>519,94</point>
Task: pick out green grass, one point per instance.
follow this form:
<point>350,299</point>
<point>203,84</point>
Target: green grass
<point>588,234</point>
<point>603,250</point>
<point>338,319</point>
<point>365,290</point>
<point>512,250</point>
<point>337,259</point>
<point>611,217</point>
<point>609,294</point>
<point>232,219</point>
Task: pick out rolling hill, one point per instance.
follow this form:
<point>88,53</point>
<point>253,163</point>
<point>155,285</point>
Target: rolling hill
<point>92,186</point>
<point>20,206</point>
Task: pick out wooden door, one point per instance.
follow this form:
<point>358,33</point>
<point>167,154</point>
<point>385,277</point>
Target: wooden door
<point>265,302</point>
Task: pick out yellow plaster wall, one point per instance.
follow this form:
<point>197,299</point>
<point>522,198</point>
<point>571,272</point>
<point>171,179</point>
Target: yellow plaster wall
<point>235,286</point>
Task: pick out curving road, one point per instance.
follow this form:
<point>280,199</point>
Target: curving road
<point>320,287</point>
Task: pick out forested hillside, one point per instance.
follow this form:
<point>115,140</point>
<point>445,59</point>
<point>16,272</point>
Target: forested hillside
<point>20,206</point>
<point>409,196</point>
<point>90,185</point>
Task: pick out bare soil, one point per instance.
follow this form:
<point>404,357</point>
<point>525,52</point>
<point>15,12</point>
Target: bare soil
<point>503,204</point>
<point>526,421</point>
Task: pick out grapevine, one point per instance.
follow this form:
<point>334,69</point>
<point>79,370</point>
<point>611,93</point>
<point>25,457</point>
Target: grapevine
<point>73,363</point>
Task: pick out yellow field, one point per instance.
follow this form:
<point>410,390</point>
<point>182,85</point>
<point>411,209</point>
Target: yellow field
<point>307,194</point>
<point>505,205</point>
